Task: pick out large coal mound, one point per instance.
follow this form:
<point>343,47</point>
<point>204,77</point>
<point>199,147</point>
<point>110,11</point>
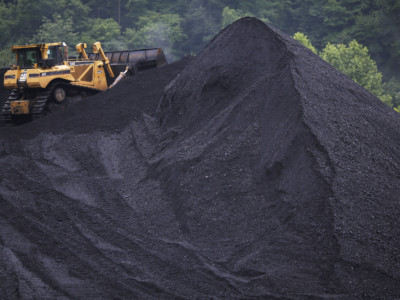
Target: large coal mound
<point>254,170</point>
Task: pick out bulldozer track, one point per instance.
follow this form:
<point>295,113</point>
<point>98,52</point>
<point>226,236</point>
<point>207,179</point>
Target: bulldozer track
<point>40,105</point>
<point>41,101</point>
<point>6,117</point>
<point>38,108</point>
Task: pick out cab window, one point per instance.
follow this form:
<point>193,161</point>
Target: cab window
<point>26,58</point>
<point>51,53</point>
<point>54,53</point>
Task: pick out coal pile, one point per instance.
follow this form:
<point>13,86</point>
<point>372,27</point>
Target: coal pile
<point>254,170</point>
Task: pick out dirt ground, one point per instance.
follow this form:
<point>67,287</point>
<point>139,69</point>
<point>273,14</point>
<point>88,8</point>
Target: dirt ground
<point>253,170</point>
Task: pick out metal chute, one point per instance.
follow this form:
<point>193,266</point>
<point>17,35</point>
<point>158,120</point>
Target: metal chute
<point>130,62</point>
<point>143,58</point>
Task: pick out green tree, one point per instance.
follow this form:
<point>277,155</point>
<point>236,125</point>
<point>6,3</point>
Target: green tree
<point>5,23</point>
<point>378,28</point>
<point>354,61</point>
<point>156,30</point>
<point>56,29</point>
<point>277,13</point>
<point>303,39</point>
<point>27,16</point>
<point>107,31</point>
<point>392,87</point>
<point>200,24</point>
<point>7,58</point>
<point>230,15</point>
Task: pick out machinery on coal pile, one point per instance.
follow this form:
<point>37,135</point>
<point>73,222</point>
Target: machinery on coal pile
<point>44,74</point>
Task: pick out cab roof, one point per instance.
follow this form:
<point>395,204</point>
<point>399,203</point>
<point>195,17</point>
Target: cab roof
<point>17,47</point>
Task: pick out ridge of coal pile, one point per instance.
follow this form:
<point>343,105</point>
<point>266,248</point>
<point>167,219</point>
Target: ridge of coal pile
<point>252,170</point>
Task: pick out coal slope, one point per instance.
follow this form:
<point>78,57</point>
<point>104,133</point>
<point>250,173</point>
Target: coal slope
<point>254,170</point>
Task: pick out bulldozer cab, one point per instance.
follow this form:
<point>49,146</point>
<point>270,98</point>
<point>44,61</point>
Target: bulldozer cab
<point>42,55</point>
<point>58,53</point>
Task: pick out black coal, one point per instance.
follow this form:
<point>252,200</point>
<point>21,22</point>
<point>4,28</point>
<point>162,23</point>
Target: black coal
<point>252,170</point>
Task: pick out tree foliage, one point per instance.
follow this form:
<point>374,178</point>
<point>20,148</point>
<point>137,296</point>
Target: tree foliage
<point>303,39</point>
<point>156,30</point>
<point>56,29</point>
<point>230,15</point>
<point>200,25</point>
<point>354,61</point>
<point>105,30</point>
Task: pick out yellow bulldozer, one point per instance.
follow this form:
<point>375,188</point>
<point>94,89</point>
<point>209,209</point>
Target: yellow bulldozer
<point>45,74</point>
